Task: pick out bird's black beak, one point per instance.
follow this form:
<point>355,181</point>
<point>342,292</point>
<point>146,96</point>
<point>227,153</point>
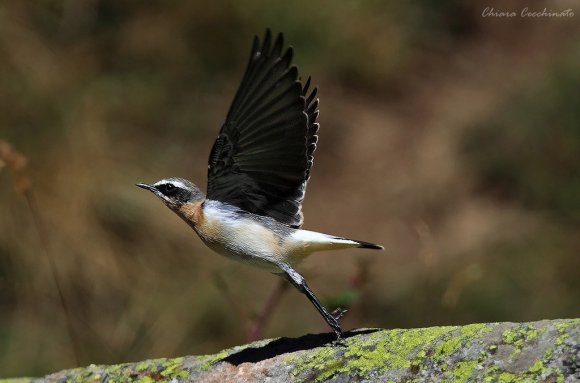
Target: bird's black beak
<point>146,187</point>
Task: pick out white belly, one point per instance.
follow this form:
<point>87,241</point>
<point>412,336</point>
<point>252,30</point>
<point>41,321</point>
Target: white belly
<point>259,241</point>
<point>242,239</point>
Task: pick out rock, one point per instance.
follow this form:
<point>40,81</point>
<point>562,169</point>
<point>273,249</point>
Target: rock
<point>545,351</point>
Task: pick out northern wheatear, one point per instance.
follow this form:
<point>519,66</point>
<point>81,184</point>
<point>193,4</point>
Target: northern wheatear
<point>258,170</point>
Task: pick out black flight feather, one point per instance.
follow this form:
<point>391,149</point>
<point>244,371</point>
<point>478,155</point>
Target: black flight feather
<point>262,157</point>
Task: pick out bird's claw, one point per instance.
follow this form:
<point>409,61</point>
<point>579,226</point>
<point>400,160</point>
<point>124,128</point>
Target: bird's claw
<point>339,342</point>
<point>338,313</point>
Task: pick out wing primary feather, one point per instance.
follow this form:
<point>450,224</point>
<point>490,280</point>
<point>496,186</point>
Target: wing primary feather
<point>288,55</point>
<point>258,58</point>
<point>257,101</point>
<point>272,119</point>
<point>254,54</point>
<point>267,41</point>
<point>248,88</point>
<point>278,45</point>
<point>311,97</point>
<point>306,86</point>
<point>258,82</point>
<point>312,110</point>
<point>261,105</point>
<point>255,50</point>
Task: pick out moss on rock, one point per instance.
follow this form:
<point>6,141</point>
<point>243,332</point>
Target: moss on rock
<point>547,351</point>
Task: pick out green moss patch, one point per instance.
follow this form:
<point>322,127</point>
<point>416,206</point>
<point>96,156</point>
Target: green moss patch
<point>405,351</point>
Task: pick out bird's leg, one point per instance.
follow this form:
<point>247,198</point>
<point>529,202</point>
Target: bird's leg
<point>298,281</point>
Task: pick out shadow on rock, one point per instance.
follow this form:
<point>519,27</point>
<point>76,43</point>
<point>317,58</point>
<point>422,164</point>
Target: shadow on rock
<point>287,345</point>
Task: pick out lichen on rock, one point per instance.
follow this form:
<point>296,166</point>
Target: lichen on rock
<point>545,351</point>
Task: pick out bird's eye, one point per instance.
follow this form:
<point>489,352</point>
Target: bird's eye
<point>169,187</point>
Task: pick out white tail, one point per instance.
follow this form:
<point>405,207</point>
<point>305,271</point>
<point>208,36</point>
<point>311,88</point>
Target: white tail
<point>314,241</point>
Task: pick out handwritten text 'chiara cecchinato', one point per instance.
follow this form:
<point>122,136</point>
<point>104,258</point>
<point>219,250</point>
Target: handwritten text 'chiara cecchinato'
<point>526,12</point>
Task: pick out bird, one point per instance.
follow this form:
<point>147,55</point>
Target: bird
<point>258,170</point>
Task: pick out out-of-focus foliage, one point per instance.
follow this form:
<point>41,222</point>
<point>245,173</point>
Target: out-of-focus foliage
<point>450,138</point>
<point>529,152</point>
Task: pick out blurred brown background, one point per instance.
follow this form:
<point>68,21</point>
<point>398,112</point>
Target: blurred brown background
<point>450,138</point>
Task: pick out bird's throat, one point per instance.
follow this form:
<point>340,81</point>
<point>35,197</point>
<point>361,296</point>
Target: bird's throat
<point>192,213</point>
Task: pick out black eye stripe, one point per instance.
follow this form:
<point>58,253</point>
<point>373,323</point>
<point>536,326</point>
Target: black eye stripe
<point>176,191</point>
<point>167,188</point>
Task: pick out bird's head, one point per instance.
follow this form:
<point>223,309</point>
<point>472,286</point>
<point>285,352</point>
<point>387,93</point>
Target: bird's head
<point>175,192</point>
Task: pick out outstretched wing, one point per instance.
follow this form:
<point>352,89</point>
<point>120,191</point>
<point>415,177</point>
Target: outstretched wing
<point>262,157</point>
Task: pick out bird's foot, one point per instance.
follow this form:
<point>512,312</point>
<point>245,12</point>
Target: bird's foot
<point>335,315</point>
<point>339,341</point>
<point>338,313</point>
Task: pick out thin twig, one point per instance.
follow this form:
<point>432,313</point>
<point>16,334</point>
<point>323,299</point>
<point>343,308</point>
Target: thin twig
<point>17,163</point>
<point>31,202</point>
<point>257,326</point>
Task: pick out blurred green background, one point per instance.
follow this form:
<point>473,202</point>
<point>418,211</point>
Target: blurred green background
<point>450,138</point>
